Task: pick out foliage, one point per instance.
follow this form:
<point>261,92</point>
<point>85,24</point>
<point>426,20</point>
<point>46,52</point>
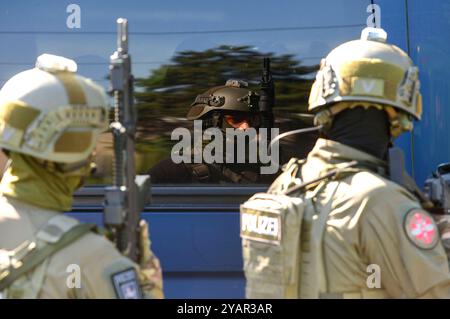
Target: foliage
<point>165,96</point>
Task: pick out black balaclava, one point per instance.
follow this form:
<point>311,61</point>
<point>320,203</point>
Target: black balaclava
<point>364,129</point>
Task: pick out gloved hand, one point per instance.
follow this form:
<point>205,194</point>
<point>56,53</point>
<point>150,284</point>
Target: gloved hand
<point>151,273</point>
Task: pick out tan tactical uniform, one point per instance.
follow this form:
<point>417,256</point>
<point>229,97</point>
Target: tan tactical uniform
<point>365,226</point>
<point>50,120</point>
<point>334,226</point>
<point>94,257</point>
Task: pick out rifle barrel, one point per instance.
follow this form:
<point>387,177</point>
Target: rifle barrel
<point>122,39</point>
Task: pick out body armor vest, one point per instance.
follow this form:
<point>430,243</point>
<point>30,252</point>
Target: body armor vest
<point>282,238</point>
<point>22,270</point>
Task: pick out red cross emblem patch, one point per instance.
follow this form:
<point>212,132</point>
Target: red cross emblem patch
<point>421,229</point>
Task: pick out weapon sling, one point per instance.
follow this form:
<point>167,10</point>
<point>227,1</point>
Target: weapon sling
<point>35,257</point>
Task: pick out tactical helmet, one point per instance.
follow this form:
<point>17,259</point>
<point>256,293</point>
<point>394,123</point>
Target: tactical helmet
<point>51,113</point>
<point>233,96</point>
<point>368,72</point>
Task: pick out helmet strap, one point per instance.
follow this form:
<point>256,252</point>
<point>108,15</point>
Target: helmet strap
<point>395,126</point>
<point>81,168</point>
<point>325,118</point>
<point>215,120</point>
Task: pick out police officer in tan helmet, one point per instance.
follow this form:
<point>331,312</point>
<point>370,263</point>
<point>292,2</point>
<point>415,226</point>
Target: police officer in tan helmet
<point>50,119</point>
<point>339,227</point>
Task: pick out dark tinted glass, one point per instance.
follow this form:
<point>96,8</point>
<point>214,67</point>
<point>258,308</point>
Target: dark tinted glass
<point>180,49</point>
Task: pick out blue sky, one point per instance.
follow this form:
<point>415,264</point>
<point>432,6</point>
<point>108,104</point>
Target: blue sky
<point>30,20</point>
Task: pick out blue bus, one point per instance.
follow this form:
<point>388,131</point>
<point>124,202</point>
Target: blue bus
<point>195,228</point>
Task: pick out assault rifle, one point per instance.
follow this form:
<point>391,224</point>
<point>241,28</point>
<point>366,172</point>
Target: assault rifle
<point>436,193</point>
<point>267,96</point>
<point>125,200</point>
<point>437,189</point>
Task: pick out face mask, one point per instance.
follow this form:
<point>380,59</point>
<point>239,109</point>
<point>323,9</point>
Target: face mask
<point>41,183</point>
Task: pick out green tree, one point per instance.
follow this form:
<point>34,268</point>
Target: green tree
<point>164,98</point>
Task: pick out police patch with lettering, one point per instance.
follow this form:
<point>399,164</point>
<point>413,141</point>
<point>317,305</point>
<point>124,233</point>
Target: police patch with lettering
<point>126,284</point>
<point>421,229</point>
<point>260,225</point>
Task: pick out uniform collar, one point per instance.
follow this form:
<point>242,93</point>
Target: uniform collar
<point>328,154</point>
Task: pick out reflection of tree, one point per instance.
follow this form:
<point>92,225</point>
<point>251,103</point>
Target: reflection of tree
<point>164,97</point>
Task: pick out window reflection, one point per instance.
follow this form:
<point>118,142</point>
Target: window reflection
<point>164,98</point>
<point>180,49</point>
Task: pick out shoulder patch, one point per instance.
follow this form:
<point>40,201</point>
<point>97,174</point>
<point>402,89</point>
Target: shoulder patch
<point>126,284</point>
<point>421,229</point>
